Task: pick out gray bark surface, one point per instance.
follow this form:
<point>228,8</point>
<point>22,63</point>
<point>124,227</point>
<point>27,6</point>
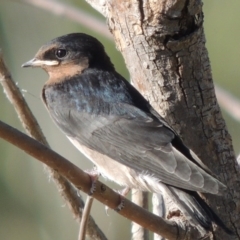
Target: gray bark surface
<point>163,44</point>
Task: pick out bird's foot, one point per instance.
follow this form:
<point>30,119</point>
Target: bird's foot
<point>122,194</point>
<point>94,175</point>
<point>121,205</point>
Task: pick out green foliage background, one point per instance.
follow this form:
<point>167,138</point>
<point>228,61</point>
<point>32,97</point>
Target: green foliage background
<point>30,206</point>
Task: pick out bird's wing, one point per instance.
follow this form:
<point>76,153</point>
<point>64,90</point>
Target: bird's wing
<point>139,141</point>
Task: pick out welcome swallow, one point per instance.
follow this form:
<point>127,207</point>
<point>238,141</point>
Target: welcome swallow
<point>112,124</point>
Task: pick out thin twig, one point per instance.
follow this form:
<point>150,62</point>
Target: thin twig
<point>14,95</point>
<point>29,122</point>
<point>159,210</point>
<point>141,199</point>
<point>85,217</point>
<point>72,13</point>
<point>102,193</point>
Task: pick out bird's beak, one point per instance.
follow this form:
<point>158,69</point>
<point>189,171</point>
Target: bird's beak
<point>40,63</point>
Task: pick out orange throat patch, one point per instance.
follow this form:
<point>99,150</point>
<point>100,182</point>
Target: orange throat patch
<point>61,72</point>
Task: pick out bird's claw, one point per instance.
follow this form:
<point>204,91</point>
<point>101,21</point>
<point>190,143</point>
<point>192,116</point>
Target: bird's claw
<point>123,193</point>
<point>94,175</point>
<point>121,205</point>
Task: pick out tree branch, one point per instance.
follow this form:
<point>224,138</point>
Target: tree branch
<point>227,102</point>
<point>72,13</point>
<point>29,122</point>
<point>103,193</point>
<point>165,41</point>
<point>85,217</point>
<point>166,99</point>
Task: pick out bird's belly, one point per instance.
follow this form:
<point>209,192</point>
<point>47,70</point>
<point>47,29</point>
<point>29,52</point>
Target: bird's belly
<point>118,172</point>
<point>106,166</point>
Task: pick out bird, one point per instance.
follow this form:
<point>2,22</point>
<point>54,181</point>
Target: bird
<point>114,126</point>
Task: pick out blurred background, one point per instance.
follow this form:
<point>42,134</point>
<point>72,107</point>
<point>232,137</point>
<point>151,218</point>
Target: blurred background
<point>30,206</point>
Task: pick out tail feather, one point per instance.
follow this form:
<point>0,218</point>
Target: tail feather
<point>196,209</point>
<point>210,213</point>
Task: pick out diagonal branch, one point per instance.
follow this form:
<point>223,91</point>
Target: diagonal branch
<point>85,217</point>
<point>29,122</point>
<point>103,193</point>
<point>72,13</point>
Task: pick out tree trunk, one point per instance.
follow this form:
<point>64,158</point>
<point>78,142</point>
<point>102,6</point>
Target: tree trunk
<point>163,44</point>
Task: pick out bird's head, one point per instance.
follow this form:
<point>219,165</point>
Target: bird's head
<point>71,54</point>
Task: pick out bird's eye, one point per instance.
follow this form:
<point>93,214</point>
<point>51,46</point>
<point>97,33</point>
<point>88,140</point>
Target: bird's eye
<point>60,53</point>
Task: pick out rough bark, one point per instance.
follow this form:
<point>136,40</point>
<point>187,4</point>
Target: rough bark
<point>163,44</point>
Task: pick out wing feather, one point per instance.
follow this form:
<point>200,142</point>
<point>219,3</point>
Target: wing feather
<point>139,141</point>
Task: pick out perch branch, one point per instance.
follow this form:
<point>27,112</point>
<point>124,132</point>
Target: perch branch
<point>29,122</point>
<point>104,194</point>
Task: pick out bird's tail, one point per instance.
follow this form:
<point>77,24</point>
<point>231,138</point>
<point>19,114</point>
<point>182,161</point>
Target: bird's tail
<point>196,209</point>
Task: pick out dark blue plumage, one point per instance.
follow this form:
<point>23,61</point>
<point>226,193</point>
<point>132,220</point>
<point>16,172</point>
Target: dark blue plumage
<point>110,122</point>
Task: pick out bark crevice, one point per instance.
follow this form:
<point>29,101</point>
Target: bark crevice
<point>164,49</point>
